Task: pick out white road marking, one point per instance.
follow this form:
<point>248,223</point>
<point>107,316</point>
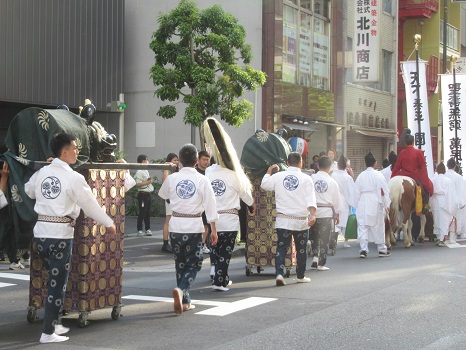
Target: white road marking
<point>235,306</point>
<point>170,300</point>
<point>220,308</point>
<point>15,276</point>
<point>6,284</point>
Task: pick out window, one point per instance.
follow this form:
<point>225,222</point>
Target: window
<point>387,71</point>
<point>452,36</point>
<point>387,6</point>
<point>306,44</point>
<point>290,27</point>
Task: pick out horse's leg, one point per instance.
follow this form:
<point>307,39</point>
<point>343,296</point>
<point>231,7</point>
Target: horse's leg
<point>405,228</point>
<point>410,229</point>
<point>423,226</point>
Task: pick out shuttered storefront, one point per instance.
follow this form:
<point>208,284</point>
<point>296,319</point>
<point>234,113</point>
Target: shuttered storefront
<point>359,145</point>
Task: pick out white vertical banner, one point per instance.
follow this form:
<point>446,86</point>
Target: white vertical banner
<point>366,41</point>
<point>420,136</point>
<point>452,129</point>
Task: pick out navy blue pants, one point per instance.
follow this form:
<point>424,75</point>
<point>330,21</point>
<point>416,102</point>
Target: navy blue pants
<point>187,251</point>
<point>283,242</point>
<point>220,256</point>
<point>56,256</point>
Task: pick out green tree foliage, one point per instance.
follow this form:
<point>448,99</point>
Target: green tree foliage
<point>201,58</point>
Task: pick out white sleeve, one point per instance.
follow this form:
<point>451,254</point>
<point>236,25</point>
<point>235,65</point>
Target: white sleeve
<point>164,191</point>
<point>29,187</point>
<point>210,205</point>
<point>267,183</point>
<point>3,201</point>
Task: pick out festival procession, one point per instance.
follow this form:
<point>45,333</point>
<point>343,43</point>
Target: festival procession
<point>293,175</point>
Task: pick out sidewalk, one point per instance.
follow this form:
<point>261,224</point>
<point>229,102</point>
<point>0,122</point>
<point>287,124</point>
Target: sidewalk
<point>146,251</point>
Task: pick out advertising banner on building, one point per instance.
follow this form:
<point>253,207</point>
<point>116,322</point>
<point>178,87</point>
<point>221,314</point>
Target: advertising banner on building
<point>366,41</point>
<point>453,103</point>
<point>417,109</point>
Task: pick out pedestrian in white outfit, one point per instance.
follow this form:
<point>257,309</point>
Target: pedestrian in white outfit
<point>329,207</point>
<point>460,198</point>
<point>60,194</point>
<point>296,207</point>
<point>442,204</point>
<point>372,198</point>
<point>346,185</point>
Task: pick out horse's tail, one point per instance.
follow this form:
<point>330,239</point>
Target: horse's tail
<point>395,205</point>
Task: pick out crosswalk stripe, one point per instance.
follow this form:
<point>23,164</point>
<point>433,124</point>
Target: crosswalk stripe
<point>170,300</point>
<point>6,284</point>
<point>15,276</point>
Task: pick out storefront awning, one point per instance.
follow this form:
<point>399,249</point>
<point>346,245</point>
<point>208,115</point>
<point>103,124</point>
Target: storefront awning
<point>298,126</point>
<point>388,134</point>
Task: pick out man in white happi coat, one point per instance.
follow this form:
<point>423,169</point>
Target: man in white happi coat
<point>60,194</point>
<point>296,206</point>
<point>190,193</point>
<point>346,186</point>
<point>329,207</point>
<point>442,203</point>
<point>460,198</point>
<point>372,199</point>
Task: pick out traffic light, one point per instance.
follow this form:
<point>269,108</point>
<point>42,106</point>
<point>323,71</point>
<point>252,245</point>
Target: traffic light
<point>118,106</point>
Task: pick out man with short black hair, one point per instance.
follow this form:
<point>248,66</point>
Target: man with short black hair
<point>372,199</point>
<point>329,207</point>
<point>296,206</point>
<point>190,193</point>
<point>145,189</point>
<point>60,194</point>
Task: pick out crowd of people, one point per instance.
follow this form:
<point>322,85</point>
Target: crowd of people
<point>203,192</point>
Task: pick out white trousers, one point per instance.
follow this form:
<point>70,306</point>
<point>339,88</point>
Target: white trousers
<point>364,232</point>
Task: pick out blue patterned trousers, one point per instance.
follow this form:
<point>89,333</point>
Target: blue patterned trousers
<point>187,251</point>
<point>283,242</point>
<point>221,254</point>
<point>320,239</point>
<point>56,255</point>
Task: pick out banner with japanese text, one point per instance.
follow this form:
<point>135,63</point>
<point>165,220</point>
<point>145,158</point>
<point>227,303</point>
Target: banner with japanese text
<point>366,41</point>
<point>453,103</point>
<point>418,113</point>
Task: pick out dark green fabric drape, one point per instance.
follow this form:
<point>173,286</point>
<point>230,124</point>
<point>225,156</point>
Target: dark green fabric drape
<point>28,138</point>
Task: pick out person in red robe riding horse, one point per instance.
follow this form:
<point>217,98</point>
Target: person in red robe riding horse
<point>411,162</point>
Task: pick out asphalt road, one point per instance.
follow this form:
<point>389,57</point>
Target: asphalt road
<point>411,300</point>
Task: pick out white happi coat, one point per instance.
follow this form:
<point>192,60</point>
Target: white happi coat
<point>61,191</point>
<point>189,192</point>
<point>346,185</point>
<point>294,194</point>
<point>327,194</point>
<point>442,203</point>
<point>228,193</point>
<point>371,204</point>
<point>387,173</point>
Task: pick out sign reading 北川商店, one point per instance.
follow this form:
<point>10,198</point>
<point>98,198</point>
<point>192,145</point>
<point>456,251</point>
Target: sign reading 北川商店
<point>366,40</point>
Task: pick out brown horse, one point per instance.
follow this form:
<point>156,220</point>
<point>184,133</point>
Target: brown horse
<point>403,202</point>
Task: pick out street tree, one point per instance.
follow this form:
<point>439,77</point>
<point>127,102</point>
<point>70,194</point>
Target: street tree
<point>201,59</point>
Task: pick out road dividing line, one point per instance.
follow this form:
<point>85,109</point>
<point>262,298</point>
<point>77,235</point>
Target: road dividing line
<point>220,308</point>
<point>235,306</point>
<point>6,284</point>
<point>15,276</point>
<point>170,300</point>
